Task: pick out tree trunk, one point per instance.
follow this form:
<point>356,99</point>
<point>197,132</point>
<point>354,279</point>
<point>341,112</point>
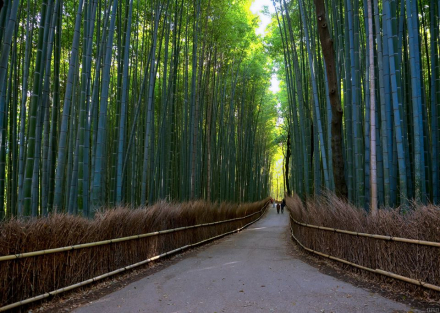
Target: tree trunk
<point>330,60</point>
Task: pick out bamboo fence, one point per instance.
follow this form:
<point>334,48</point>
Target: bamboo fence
<point>110,241</point>
<point>380,237</point>
<point>123,269</point>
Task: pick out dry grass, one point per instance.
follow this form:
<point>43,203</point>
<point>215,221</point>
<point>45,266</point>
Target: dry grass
<point>25,278</point>
<point>410,260</point>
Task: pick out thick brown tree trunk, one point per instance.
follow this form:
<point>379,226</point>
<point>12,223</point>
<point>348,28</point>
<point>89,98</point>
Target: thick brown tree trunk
<point>330,60</point>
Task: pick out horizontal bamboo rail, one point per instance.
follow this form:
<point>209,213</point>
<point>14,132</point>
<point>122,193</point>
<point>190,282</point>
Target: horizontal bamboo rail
<point>123,269</point>
<point>382,237</point>
<point>377,271</point>
<point>110,241</point>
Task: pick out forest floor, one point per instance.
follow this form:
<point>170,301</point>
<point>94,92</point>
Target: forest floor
<point>256,270</point>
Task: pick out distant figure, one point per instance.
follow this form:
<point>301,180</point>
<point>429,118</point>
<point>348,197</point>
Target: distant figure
<point>283,204</point>
<point>273,202</point>
<point>278,208</point>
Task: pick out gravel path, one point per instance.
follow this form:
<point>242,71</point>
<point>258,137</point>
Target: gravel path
<point>253,271</point>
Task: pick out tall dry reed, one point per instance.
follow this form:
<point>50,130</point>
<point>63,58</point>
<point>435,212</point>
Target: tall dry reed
<point>421,222</point>
<point>29,277</point>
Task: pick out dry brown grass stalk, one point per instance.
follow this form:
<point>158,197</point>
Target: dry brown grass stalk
<point>29,277</point>
<point>418,262</point>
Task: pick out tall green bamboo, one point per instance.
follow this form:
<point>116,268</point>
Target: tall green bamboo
<point>394,63</point>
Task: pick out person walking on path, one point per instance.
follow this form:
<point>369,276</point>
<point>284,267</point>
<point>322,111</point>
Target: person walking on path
<point>278,208</point>
<point>283,204</point>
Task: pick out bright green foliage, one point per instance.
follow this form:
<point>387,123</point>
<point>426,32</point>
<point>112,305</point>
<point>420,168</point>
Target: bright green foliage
<point>131,102</point>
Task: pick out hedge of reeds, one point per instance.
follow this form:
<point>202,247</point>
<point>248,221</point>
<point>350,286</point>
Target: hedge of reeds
<point>24,278</point>
<point>421,222</point>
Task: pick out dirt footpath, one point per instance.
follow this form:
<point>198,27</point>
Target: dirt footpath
<point>253,271</point>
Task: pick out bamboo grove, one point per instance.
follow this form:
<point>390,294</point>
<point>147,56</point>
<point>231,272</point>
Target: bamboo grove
<point>115,102</point>
<point>396,73</point>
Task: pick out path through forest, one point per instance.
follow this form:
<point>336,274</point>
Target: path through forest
<point>253,271</point>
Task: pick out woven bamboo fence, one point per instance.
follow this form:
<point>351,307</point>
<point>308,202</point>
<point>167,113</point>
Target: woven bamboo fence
<point>416,262</point>
<point>32,276</point>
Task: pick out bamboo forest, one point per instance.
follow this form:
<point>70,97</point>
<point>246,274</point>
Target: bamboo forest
<point>361,98</point>
<point>219,156</point>
<point>108,103</point>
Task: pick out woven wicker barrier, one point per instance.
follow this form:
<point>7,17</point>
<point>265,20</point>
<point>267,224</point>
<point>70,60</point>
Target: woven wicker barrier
<point>32,276</point>
<point>377,271</point>
<point>401,250</point>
